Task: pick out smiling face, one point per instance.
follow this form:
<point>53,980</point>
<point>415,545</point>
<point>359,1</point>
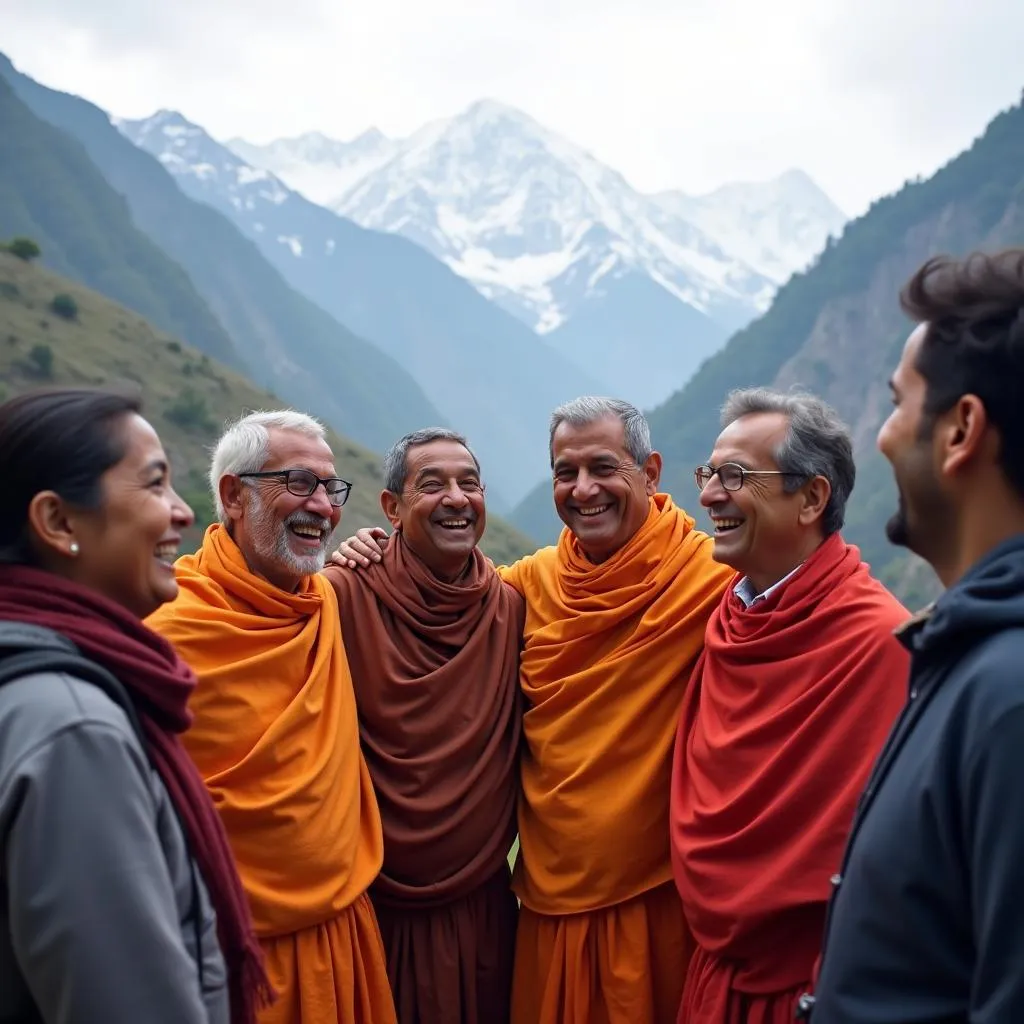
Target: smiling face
<point>441,511</point>
<point>283,536</point>
<point>600,493</point>
<point>127,546</point>
<point>760,530</point>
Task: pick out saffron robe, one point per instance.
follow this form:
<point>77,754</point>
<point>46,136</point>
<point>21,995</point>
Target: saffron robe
<point>608,652</point>
<point>436,672</point>
<point>276,739</point>
<point>791,701</point>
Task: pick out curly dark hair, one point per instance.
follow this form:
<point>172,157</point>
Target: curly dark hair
<point>974,342</point>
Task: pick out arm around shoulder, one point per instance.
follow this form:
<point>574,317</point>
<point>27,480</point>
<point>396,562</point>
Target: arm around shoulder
<point>518,573</point>
<point>94,922</point>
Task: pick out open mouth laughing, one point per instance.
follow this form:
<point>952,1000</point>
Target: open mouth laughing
<point>311,533</point>
<point>455,524</point>
<point>726,525</point>
<point>166,552</point>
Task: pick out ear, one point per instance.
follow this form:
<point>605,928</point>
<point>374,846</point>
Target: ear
<point>652,473</point>
<point>816,493</point>
<point>230,489</point>
<point>52,525</point>
<point>389,504</point>
<point>961,434</point>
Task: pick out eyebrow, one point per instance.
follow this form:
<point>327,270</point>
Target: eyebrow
<point>153,465</point>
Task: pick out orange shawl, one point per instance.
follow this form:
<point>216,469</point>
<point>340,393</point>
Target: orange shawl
<point>275,735</point>
<point>792,700</point>
<point>608,652</point>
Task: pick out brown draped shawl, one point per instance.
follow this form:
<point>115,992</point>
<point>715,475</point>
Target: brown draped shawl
<point>436,673</point>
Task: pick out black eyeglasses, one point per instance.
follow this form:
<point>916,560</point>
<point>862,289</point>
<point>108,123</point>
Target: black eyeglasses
<point>732,475</point>
<point>302,483</point>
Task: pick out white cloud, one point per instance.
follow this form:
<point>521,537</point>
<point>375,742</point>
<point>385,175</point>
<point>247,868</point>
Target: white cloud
<point>861,94</point>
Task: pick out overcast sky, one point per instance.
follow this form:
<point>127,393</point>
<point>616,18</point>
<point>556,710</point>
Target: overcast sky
<point>861,94</point>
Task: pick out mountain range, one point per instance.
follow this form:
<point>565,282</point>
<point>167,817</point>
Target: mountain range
<point>236,285</point>
<point>110,191</point>
<point>837,330</point>
<point>465,352</point>
<point>637,289</point>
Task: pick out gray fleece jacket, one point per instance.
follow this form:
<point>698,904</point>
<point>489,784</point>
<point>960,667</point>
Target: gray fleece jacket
<point>103,914</point>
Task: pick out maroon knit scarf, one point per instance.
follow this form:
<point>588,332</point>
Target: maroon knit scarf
<point>159,685</point>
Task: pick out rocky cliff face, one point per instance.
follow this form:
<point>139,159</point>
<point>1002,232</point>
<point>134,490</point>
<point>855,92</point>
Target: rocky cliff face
<point>838,330</point>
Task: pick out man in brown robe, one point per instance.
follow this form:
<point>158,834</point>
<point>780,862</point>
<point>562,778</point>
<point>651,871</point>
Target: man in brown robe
<point>433,639</point>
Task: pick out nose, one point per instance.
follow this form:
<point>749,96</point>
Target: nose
<point>182,516</point>
<point>713,493</point>
<point>585,487</point>
<point>880,439</point>
<point>319,504</point>
<point>454,496</point>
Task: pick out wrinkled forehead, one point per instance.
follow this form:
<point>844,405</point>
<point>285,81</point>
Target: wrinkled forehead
<point>603,439</point>
<point>751,441</point>
<point>442,458</point>
<point>290,449</point>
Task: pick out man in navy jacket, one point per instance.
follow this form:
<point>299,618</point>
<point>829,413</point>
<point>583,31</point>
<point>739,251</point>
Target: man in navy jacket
<point>926,923</point>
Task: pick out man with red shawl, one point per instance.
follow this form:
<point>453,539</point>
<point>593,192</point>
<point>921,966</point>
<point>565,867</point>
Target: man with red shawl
<point>797,687</point>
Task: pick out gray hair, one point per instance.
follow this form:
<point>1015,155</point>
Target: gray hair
<point>581,412</point>
<point>244,447</point>
<point>817,443</point>
<point>395,457</point>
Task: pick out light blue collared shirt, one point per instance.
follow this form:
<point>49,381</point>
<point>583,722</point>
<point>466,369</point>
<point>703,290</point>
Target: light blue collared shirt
<point>744,590</point>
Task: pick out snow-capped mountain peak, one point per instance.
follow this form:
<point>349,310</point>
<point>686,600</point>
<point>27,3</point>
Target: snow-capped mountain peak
<point>778,226</point>
<point>186,149</point>
<point>511,206</point>
<point>319,167</point>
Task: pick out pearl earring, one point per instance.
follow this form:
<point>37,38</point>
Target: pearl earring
<point>74,547</point>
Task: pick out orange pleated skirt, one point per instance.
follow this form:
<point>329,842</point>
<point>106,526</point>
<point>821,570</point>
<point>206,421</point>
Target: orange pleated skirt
<point>332,973</point>
<point>621,965</point>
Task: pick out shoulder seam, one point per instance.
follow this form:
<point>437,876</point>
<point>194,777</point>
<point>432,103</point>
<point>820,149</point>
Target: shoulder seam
<point>57,734</point>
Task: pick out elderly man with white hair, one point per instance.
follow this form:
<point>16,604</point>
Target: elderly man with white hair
<point>275,734</point>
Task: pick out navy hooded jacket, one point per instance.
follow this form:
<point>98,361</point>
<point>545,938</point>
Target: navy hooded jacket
<point>926,923</point>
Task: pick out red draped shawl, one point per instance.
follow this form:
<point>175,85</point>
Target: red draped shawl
<point>788,706</point>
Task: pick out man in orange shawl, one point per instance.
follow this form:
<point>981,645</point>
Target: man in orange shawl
<point>433,639</point>
<point>800,680</point>
<point>615,620</point>
<point>275,734</point>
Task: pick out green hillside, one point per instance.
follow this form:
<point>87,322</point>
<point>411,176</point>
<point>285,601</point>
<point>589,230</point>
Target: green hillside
<point>50,191</point>
<point>282,339</point>
<point>188,396</point>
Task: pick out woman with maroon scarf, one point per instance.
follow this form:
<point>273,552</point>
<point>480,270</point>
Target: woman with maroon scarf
<point>119,900</point>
